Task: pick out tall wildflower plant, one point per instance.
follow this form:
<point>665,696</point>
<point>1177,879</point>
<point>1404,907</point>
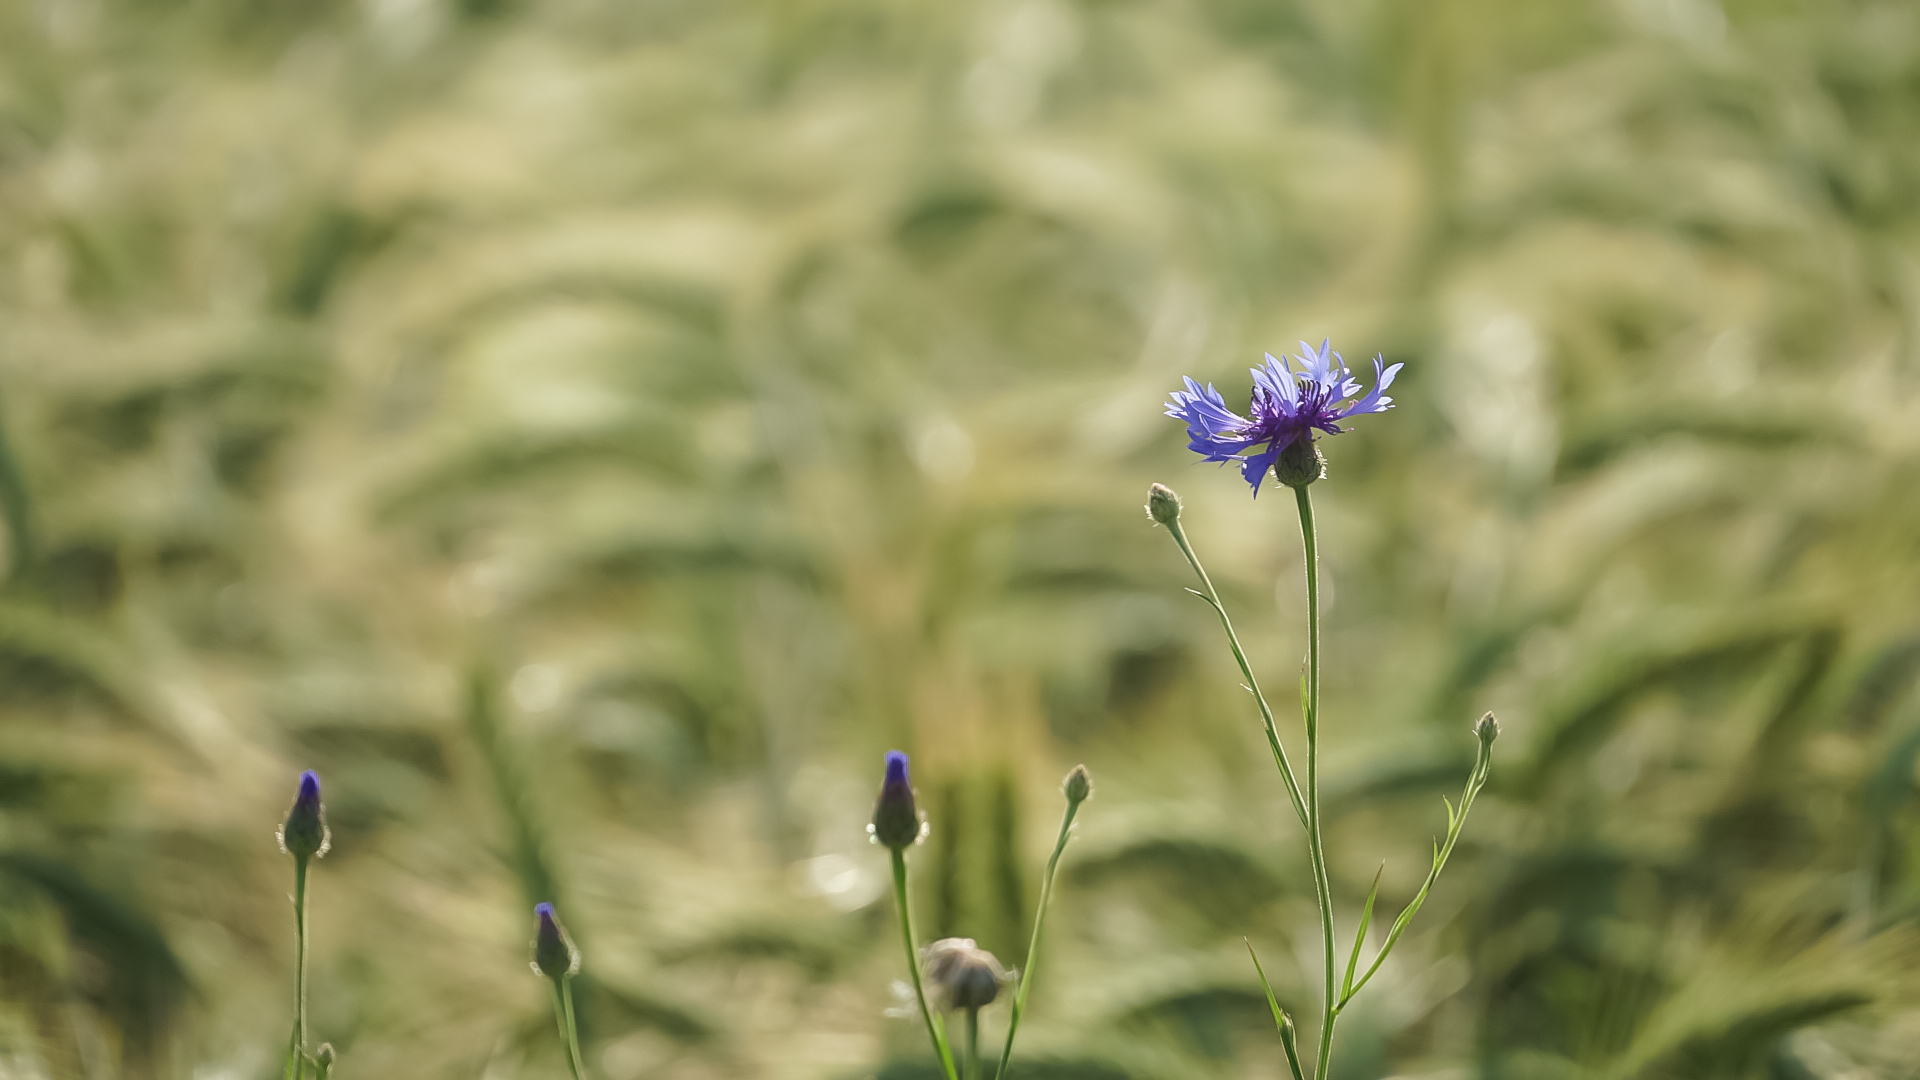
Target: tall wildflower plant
<point>304,835</point>
<point>1289,408</point>
<point>964,977</point>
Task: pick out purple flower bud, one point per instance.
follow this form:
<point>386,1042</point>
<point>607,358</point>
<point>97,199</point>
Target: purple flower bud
<point>896,820</point>
<point>305,834</point>
<point>553,953</point>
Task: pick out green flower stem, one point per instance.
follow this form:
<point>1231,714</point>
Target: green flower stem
<point>569,1031</point>
<point>1246,670</point>
<point>973,1044</point>
<point>1456,821</point>
<point>1316,847</point>
<point>297,1053</point>
<point>1033,946</point>
<point>940,1047</point>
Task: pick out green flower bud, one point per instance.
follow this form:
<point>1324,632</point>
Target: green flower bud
<point>1300,464</point>
<point>1078,785</point>
<point>1163,505</point>
<point>1488,729</point>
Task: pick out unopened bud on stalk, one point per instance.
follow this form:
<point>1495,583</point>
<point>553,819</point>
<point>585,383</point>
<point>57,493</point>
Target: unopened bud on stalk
<point>305,835</point>
<point>896,819</point>
<point>1163,505</point>
<point>1078,785</point>
<point>1488,729</point>
<point>323,1057</point>
<point>1300,463</point>
<point>965,975</point>
<point>553,953</point>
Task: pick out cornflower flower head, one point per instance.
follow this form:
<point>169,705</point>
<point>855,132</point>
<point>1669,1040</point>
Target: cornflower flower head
<point>1288,407</point>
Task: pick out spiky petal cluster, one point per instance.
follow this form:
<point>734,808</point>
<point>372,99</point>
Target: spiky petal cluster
<point>1288,406</point>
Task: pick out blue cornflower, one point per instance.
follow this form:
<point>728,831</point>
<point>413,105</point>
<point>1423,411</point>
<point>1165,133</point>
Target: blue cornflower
<point>1288,406</point>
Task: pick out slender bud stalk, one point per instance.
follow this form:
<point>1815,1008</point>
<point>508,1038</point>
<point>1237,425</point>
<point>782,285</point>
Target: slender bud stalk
<point>1316,844</point>
<point>303,835</point>
<point>555,957</point>
<point>973,1043</point>
<point>1078,788</point>
<point>934,1034</point>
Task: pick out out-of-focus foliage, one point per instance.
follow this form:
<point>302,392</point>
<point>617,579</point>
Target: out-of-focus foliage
<point>590,432</point>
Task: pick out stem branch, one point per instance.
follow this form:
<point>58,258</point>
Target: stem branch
<point>297,1064</point>
<point>973,1044</point>
<point>940,1047</point>
<point>1246,670</point>
<point>563,1016</point>
<point>1316,848</point>
<point>1033,946</point>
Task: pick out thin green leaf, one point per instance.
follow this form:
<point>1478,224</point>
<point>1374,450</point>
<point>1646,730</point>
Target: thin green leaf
<point>1359,939</point>
<point>1281,1020</point>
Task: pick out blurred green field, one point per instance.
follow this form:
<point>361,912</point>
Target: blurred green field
<point>591,433</point>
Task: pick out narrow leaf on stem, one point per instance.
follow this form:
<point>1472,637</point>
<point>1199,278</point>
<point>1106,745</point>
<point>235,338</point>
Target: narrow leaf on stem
<point>1360,939</point>
<point>1456,821</point>
<point>1281,1020</point>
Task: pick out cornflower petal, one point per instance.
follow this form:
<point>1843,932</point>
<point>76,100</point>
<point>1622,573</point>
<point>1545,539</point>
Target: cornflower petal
<point>1375,401</point>
<point>1254,469</point>
<point>1277,379</point>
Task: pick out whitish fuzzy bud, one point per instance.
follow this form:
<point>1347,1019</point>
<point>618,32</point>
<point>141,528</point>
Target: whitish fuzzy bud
<point>553,953</point>
<point>1300,464</point>
<point>1488,729</point>
<point>1078,785</point>
<point>1163,505</point>
<point>964,975</point>
<point>324,1057</point>
<point>305,835</point>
